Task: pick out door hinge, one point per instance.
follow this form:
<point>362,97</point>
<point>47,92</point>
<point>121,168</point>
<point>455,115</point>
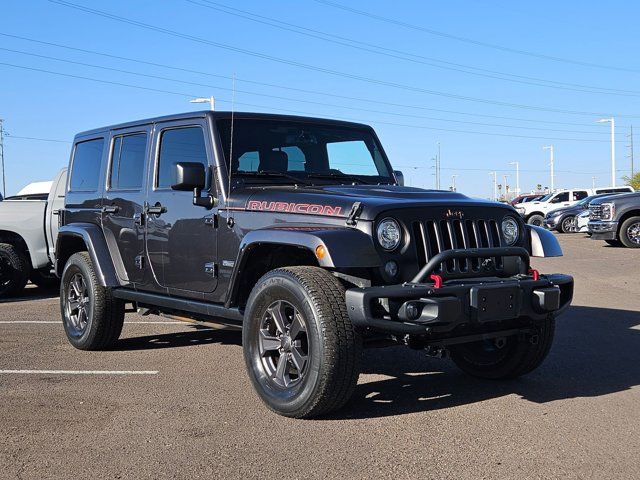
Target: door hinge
<point>211,269</point>
<point>139,261</point>
<point>212,221</point>
<point>356,210</point>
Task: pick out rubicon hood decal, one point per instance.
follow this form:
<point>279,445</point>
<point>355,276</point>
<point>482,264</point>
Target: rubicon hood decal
<point>309,208</point>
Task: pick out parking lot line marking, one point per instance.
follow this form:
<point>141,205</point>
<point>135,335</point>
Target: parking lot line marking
<point>126,323</point>
<point>79,372</point>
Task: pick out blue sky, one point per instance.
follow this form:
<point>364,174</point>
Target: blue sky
<point>499,87</point>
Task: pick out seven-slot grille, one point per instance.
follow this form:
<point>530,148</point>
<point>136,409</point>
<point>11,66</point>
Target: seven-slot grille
<point>595,212</point>
<point>435,236</point>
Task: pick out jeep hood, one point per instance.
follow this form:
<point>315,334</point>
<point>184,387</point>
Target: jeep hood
<point>337,200</point>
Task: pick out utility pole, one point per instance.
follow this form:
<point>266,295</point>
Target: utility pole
<point>4,183</point>
<point>438,168</point>
<point>550,148</point>
<point>593,182</point>
<point>495,184</point>
<point>517,164</point>
<point>630,156</point>
<point>453,183</point>
<point>506,187</point>
<point>612,121</point>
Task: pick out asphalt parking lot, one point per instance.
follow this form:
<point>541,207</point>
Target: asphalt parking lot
<point>175,401</point>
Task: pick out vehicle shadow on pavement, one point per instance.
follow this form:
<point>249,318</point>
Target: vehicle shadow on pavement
<point>596,352</point>
<point>32,292</point>
<point>197,335</point>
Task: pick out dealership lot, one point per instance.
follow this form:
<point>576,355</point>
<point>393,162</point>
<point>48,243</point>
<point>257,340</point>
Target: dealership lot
<point>172,400</point>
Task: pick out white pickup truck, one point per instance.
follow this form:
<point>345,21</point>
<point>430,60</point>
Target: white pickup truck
<point>534,212</point>
<point>28,232</point>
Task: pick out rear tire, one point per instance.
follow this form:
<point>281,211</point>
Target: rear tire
<point>14,270</point>
<point>300,348</point>
<point>630,232</point>
<point>92,318</point>
<point>518,356</point>
<point>537,220</point>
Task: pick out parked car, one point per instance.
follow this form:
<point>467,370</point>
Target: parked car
<point>582,222</point>
<point>534,212</point>
<point>28,232</point>
<point>526,198</point>
<point>616,220</point>
<point>563,219</point>
<point>298,231</point>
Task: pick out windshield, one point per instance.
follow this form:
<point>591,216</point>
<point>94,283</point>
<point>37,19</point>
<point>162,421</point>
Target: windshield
<point>546,197</point>
<point>288,151</point>
<point>585,201</point>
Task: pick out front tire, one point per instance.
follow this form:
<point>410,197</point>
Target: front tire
<point>568,225</point>
<point>300,348</point>
<point>92,317</point>
<point>630,232</point>
<point>512,357</point>
<point>14,270</point>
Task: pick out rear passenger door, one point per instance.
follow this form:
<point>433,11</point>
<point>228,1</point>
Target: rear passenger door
<point>123,204</point>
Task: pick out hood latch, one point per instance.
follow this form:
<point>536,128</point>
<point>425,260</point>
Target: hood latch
<point>356,209</point>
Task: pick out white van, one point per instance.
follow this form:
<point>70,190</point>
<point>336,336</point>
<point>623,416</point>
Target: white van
<point>534,212</point>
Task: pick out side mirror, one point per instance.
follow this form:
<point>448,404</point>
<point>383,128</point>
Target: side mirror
<point>192,176</point>
<point>399,177</point>
<point>188,176</point>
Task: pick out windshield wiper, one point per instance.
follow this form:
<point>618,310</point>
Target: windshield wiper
<point>270,173</point>
<point>338,176</point>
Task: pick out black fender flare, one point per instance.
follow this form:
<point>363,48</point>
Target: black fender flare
<point>344,247</point>
<point>543,242</point>
<point>96,245</point>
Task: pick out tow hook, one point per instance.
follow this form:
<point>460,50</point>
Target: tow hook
<point>500,342</point>
<point>437,352</point>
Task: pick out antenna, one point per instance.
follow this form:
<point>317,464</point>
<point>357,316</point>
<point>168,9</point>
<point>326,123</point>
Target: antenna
<point>233,104</point>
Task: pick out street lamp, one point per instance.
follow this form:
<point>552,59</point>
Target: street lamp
<point>612,121</point>
<point>495,184</point>
<point>550,148</point>
<point>210,100</point>
<point>517,164</point>
<point>453,183</point>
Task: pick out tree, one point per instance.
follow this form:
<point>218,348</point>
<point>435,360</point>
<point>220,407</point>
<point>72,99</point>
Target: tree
<point>633,181</point>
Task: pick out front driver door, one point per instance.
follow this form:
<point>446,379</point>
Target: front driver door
<point>181,237</point>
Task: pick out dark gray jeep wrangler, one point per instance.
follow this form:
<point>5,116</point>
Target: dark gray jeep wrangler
<point>298,231</point>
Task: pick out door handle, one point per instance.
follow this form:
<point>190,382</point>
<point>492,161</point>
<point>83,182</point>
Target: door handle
<point>110,209</point>
<point>157,209</point>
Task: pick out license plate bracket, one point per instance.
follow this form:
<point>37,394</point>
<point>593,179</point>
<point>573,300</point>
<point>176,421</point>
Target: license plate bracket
<point>495,302</point>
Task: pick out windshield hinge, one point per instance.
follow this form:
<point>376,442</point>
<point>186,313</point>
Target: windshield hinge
<point>356,209</point>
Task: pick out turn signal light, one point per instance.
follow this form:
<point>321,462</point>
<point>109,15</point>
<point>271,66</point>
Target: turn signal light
<point>321,252</point>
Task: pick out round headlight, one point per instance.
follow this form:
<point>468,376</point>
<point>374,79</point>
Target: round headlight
<point>510,230</point>
<point>389,234</point>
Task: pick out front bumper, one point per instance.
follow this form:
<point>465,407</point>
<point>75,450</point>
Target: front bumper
<point>551,222</point>
<point>481,303</point>
<point>603,230</point>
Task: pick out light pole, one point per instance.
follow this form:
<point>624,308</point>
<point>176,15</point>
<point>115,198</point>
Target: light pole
<point>210,100</point>
<point>506,187</point>
<point>612,121</point>
<point>550,148</point>
<point>495,184</point>
<point>453,183</point>
<point>517,164</point>
<point>593,182</point>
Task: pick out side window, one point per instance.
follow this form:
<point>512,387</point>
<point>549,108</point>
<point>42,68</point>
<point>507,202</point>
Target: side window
<point>85,168</point>
<point>127,162</point>
<point>179,145</point>
<point>579,195</point>
<point>561,197</point>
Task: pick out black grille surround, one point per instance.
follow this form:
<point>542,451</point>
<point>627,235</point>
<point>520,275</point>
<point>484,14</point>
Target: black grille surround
<point>433,230</point>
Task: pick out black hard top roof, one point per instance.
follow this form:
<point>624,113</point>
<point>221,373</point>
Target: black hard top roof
<point>217,116</point>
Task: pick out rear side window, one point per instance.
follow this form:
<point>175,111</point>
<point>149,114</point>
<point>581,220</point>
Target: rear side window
<point>579,195</point>
<point>179,145</point>
<point>86,166</point>
<point>127,162</point>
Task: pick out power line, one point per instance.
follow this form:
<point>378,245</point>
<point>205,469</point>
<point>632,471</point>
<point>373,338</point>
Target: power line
<point>475,42</point>
<point>295,89</point>
<point>324,104</point>
<point>407,56</point>
<point>379,122</point>
<point>323,69</point>
<point>7,135</point>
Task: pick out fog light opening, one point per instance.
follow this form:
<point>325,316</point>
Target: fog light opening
<point>391,268</point>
